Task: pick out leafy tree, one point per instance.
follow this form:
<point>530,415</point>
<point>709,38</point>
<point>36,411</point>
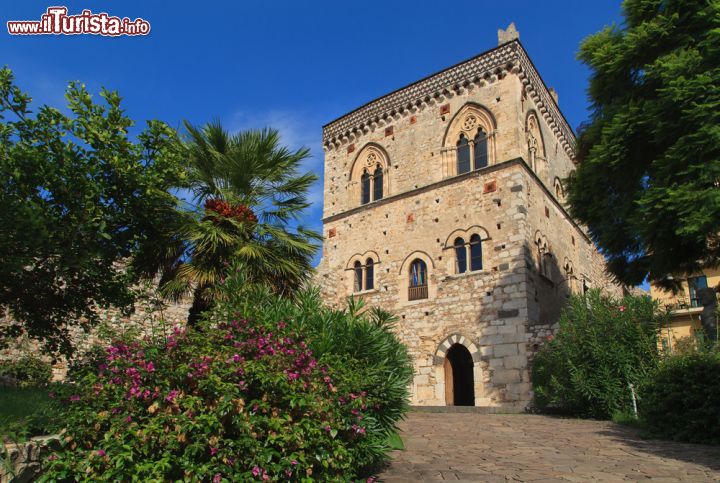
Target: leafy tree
<point>647,181</point>
<point>250,191</point>
<point>80,197</point>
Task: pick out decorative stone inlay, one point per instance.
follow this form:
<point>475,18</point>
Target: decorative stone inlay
<point>451,340</point>
<point>469,123</point>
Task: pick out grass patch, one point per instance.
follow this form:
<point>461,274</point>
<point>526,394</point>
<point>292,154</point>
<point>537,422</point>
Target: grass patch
<point>24,412</point>
<point>627,418</point>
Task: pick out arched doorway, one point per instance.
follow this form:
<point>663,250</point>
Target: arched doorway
<point>459,380</point>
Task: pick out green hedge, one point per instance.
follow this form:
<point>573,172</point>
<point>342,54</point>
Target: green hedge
<point>681,401</point>
<point>602,345</point>
<point>27,370</point>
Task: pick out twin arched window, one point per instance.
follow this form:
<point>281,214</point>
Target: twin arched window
<point>418,283</point>
<point>364,275</point>
<point>371,185</point>
<point>472,155</point>
<point>473,249</point>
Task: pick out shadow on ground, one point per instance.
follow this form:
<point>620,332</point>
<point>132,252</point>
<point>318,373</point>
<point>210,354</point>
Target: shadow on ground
<point>699,454</point>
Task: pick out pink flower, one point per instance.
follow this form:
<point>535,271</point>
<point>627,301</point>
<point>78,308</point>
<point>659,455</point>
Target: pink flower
<point>74,398</point>
<point>622,308</point>
<point>294,462</point>
<point>213,451</point>
<point>217,478</point>
<point>101,452</point>
<point>172,395</point>
<point>128,419</point>
<point>256,471</point>
<point>236,358</point>
<point>150,367</point>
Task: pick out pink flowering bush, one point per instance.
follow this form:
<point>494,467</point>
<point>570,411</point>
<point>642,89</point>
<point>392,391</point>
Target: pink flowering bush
<point>261,391</point>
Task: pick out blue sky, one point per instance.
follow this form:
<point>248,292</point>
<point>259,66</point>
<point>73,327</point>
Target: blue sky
<point>292,65</point>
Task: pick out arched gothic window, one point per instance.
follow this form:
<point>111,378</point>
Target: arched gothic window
<point>536,147</point>
<point>358,276</point>
<point>471,251</point>
<point>364,275</point>
<point>475,253</point>
<point>365,188</point>
<point>369,175</point>
<point>559,191</point>
<point>480,149</point>
<point>369,274</point>
<point>469,141</point>
<point>463,155</point>
<point>460,255</point>
<point>378,183</point>
<point>418,283</point>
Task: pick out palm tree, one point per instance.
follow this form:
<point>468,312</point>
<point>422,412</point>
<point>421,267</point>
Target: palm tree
<point>251,191</point>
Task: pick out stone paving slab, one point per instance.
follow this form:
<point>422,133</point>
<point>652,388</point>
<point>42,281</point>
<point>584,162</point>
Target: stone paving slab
<point>523,447</point>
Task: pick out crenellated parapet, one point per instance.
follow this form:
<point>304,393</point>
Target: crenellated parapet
<point>479,71</point>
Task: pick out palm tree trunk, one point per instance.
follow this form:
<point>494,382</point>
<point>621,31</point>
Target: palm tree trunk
<point>198,307</point>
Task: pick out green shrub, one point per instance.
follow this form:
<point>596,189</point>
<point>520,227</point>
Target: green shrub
<point>86,362</point>
<point>682,398</point>
<point>24,412</point>
<point>602,345</point>
<point>265,389</point>
<point>27,370</point>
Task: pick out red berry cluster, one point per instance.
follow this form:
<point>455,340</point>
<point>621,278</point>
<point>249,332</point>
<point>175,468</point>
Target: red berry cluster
<point>226,210</point>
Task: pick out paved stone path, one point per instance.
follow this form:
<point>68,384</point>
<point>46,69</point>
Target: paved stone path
<point>499,447</point>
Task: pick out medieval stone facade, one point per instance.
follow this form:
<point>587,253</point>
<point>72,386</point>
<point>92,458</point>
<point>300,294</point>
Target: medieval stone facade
<point>444,204</point>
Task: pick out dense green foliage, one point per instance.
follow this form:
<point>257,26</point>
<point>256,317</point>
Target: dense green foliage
<point>24,412</point>
<point>646,185</point>
<point>78,195</point>
<point>681,400</point>
<point>266,389</point>
<point>602,345</point>
<point>26,370</point>
<point>251,191</point>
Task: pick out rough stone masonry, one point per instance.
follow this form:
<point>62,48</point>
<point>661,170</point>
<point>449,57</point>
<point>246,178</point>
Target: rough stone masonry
<point>443,203</point>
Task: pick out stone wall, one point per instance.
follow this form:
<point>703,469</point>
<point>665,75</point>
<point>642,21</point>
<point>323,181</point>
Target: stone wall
<point>22,462</point>
<point>151,315</point>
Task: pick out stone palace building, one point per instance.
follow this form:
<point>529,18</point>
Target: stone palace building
<point>444,204</point>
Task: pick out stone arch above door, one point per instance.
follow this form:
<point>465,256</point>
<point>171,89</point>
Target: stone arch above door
<point>449,341</point>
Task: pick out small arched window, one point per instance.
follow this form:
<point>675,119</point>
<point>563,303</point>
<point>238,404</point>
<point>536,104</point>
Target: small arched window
<point>365,188</point>
<point>570,278</point>
<point>480,150</point>
<point>559,191</point>
<point>460,255</point>
<point>358,275</point>
<point>463,155</point>
<point>418,287</point>
<point>475,253</point>
<point>378,183</point>
<point>369,274</point>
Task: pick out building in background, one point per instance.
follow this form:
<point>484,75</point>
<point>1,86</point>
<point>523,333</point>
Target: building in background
<point>692,308</point>
<point>443,203</point>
